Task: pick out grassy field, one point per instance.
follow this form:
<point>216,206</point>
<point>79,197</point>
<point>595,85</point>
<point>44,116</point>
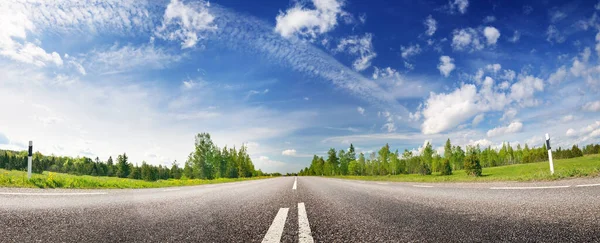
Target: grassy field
<point>58,180</point>
<point>564,168</point>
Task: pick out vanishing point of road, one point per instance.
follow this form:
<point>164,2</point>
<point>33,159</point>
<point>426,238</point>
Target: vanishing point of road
<point>308,209</point>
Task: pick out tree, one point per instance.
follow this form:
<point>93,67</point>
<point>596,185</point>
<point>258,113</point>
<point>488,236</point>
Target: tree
<point>446,167</point>
<point>135,172</point>
<point>110,167</point>
<point>343,162</point>
<point>448,150</point>
<point>123,169</point>
<point>332,162</point>
<point>351,153</point>
<point>384,160</point>
<point>175,171</point>
<point>472,165</point>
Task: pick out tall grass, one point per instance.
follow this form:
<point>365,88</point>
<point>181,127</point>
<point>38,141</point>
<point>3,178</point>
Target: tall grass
<point>58,180</point>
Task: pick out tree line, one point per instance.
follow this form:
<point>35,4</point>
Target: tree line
<point>207,161</point>
<point>472,159</point>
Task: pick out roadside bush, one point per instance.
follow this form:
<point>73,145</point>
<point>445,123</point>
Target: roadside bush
<point>472,165</point>
<point>446,168</point>
<point>424,169</point>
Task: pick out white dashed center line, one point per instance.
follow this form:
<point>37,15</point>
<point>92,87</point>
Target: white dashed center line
<point>295,182</point>
<point>527,188</point>
<point>305,235</point>
<point>422,186</point>
<point>276,230</point>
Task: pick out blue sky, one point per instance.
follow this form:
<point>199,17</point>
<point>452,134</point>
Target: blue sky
<point>293,78</point>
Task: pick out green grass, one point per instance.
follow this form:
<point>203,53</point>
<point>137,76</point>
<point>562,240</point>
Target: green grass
<point>15,178</point>
<point>587,166</point>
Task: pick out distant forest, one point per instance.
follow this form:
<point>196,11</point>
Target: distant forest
<point>388,162</point>
<point>207,161</point>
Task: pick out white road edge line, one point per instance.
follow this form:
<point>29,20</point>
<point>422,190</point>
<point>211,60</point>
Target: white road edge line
<point>295,182</point>
<point>53,193</point>
<point>303,226</point>
<point>171,189</point>
<point>276,230</point>
<point>382,183</point>
<point>587,185</point>
<point>422,186</point>
<point>526,188</point>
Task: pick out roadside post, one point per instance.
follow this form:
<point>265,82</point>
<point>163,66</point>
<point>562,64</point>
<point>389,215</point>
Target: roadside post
<point>549,154</point>
<point>29,159</point>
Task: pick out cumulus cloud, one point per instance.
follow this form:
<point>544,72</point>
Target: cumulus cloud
<point>493,67</point>
<point>524,89</point>
<point>513,127</point>
<point>358,46</point>
<point>289,152</point>
<point>309,22</point>
<point>445,111</point>
<point>509,114</point>
<point>360,110</point>
<point>430,25</point>
<point>491,34</point>
<point>571,133</point>
<point>409,51</point>
<point>446,65</point>
<point>593,106</point>
<point>558,76</point>
<point>186,23</point>
<point>386,73</point>
<point>468,38</point>
<point>567,118</point>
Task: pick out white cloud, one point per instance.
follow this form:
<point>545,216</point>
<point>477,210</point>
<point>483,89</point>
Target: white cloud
<point>523,90</point>
<point>266,162</point>
<point>187,23</point>
<point>489,19</point>
<point>593,106</point>
<point>552,34</point>
<point>571,133</point>
<point>491,34</point>
<point>309,22</point>
<point>445,111</point>
<point>361,110</point>
<point>386,73</point>
<point>361,46</point>
<point>567,118</point>
<point>460,5</point>
<point>431,25</point>
<point>481,142</point>
<point>255,92</point>
<point>513,127</point>
<point>465,38</point>
<point>516,36</point>
<point>558,76</point>
<point>446,65</point>
<point>409,51</point>
<point>509,114</point>
<point>118,59</point>
<point>494,67</point>
<point>557,15</point>
<point>289,152</point>
<point>478,119</point>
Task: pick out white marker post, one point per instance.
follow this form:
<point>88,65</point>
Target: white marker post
<point>549,154</point>
<point>29,160</point>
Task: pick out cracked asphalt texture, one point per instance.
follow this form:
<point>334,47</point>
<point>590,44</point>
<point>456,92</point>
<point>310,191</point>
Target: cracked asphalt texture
<point>338,211</point>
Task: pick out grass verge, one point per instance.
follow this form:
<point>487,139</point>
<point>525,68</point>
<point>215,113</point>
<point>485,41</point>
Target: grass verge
<point>15,178</point>
<point>587,166</point>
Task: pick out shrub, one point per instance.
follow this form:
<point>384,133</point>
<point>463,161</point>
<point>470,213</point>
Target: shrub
<point>446,168</point>
<point>424,169</point>
<point>472,165</point>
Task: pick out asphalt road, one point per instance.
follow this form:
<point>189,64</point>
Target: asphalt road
<point>304,209</point>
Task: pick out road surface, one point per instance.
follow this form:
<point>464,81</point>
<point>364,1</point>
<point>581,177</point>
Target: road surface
<point>307,209</point>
